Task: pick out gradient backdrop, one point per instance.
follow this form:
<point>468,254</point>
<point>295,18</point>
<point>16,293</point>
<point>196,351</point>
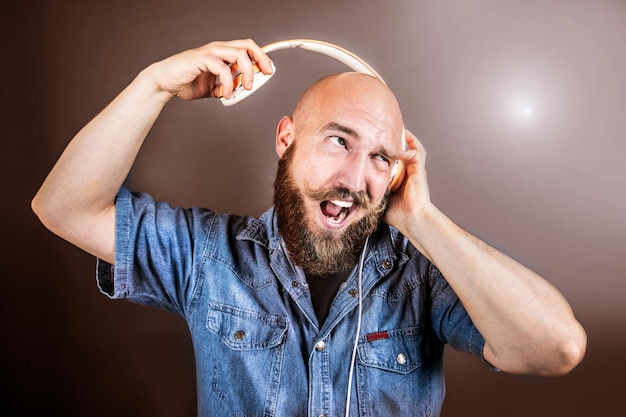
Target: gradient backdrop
<point>521,105</point>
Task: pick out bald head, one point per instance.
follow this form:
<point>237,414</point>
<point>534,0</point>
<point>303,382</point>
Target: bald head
<point>349,90</point>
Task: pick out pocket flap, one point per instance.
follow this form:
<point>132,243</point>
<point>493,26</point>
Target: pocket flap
<point>245,330</point>
<point>399,351</point>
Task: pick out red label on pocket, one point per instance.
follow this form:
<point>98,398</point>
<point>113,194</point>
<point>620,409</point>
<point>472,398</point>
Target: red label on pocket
<point>377,336</point>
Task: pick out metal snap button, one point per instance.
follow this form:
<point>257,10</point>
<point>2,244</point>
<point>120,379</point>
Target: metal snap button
<point>239,335</point>
<point>386,264</point>
<point>320,346</point>
<point>401,358</point>
<point>353,292</point>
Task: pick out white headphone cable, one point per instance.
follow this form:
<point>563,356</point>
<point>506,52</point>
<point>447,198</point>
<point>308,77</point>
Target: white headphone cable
<point>358,328</point>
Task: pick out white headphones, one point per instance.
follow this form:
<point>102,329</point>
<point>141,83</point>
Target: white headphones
<point>343,55</point>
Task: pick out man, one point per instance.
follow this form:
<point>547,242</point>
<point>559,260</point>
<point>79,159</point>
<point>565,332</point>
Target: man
<point>274,304</point>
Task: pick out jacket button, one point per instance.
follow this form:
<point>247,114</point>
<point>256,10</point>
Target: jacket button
<point>401,358</point>
<point>320,346</point>
<point>353,292</point>
<point>386,264</point>
<point>239,335</point>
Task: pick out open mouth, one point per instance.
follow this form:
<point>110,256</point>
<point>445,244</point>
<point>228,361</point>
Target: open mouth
<point>336,211</point>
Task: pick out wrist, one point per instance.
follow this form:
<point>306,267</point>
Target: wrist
<point>425,227</point>
<point>148,81</point>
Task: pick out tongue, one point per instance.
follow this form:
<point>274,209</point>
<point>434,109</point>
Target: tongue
<point>330,209</point>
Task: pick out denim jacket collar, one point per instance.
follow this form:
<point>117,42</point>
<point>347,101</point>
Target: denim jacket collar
<point>382,257</point>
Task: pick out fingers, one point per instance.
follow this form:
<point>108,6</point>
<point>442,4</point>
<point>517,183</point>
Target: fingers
<point>412,140</point>
<point>415,151</point>
<point>240,61</point>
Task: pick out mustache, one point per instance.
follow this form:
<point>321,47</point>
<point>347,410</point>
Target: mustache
<point>361,198</point>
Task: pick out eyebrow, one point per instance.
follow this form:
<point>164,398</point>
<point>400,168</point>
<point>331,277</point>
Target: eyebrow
<point>336,126</point>
<point>340,127</point>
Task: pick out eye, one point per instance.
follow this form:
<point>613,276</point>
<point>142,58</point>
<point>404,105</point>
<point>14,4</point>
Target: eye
<point>382,158</point>
<point>338,140</point>
<point>382,162</point>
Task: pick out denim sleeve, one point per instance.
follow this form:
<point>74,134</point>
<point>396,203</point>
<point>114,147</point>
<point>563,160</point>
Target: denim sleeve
<point>450,319</point>
<point>155,248</point>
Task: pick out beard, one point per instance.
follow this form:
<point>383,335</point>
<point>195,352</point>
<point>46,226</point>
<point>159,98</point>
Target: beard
<point>327,251</point>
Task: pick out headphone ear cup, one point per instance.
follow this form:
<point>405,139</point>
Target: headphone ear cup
<point>399,171</point>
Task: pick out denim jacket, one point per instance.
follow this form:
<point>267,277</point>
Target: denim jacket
<point>258,347</point>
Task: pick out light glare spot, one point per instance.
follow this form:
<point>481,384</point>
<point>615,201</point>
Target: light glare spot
<point>521,110</point>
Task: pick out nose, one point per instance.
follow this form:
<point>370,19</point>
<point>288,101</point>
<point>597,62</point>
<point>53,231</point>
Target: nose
<point>353,174</point>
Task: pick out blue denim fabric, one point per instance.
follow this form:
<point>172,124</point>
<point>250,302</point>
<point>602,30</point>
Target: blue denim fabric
<point>258,347</point>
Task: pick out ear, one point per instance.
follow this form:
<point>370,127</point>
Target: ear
<point>284,135</point>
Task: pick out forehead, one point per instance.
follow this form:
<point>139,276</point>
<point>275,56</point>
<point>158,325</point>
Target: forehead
<point>356,104</point>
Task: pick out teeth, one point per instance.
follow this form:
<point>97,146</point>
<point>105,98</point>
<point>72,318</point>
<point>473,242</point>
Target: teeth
<point>344,204</point>
<point>339,218</point>
<point>343,213</point>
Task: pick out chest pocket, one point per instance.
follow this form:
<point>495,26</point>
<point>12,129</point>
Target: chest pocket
<point>395,350</point>
<point>242,373</point>
<point>245,330</point>
<point>395,374</point>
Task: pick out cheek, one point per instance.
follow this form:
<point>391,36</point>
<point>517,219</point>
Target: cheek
<point>315,174</point>
<point>380,186</point>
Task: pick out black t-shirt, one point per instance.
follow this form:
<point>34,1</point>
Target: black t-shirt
<point>323,290</point>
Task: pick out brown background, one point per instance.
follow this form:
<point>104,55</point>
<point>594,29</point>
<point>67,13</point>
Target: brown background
<point>521,105</point>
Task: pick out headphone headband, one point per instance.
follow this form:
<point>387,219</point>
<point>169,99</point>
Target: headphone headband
<point>325,48</point>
